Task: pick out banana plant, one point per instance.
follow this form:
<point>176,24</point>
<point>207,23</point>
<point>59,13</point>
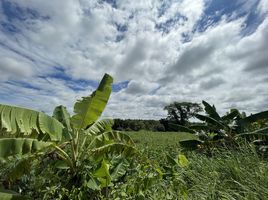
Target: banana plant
<point>25,132</point>
<point>227,128</point>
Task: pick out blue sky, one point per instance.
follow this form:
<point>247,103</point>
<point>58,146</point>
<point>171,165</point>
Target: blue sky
<point>54,52</point>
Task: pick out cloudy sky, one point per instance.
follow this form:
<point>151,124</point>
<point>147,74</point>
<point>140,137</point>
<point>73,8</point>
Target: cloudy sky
<point>54,52</point>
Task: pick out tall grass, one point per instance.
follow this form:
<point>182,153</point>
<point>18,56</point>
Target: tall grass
<point>228,174</point>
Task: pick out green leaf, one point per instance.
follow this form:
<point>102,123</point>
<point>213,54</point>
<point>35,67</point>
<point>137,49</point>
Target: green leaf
<point>159,171</point>
<point>110,137</point>
<point>210,120</point>
<point>60,164</point>
<point>171,160</point>
<point>21,146</point>
<point>114,148</point>
<point>100,126</point>
<point>234,113</point>
<point>53,127</point>
<point>211,111</point>
<point>254,117</point>
<point>92,184</point>
<point>21,167</point>
<point>183,161</point>
<point>22,121</point>
<point>119,167</point>
<point>190,141</point>
<point>61,114</point>
<point>90,108</point>
<point>103,174</point>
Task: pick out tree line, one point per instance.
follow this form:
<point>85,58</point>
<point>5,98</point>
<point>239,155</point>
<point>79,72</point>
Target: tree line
<point>177,113</point>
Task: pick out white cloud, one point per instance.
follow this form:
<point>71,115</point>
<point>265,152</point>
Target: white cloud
<point>14,68</point>
<point>263,6</point>
<point>81,38</point>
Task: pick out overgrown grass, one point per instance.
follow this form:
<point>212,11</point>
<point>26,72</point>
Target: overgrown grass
<point>157,144</point>
<point>228,174</point>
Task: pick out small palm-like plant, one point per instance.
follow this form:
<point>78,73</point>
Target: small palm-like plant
<point>74,139</point>
<point>223,129</point>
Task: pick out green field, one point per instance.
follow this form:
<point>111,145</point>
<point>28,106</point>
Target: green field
<point>156,144</point>
<point>228,174</point>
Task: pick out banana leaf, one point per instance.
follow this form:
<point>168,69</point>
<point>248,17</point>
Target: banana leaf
<point>21,121</point>
<point>61,114</point>
<point>231,115</point>
<point>210,120</point>
<point>254,118</point>
<point>20,146</point>
<point>90,108</point>
<point>99,127</point>
<point>211,111</point>
<point>110,137</point>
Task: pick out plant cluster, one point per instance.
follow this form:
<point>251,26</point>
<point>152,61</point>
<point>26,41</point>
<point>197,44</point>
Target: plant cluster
<point>81,153</point>
<point>228,130</point>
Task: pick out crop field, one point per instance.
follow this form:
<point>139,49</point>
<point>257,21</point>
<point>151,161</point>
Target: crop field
<point>157,142</point>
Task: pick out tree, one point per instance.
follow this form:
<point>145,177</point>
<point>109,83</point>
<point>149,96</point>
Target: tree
<point>181,112</point>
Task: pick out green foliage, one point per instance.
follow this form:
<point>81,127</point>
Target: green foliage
<point>61,114</point>
<point>211,111</point>
<point>181,112</point>
<point>89,109</point>
<point>100,126</point>
<point>217,131</point>
<point>228,174</point>
<point>119,167</point>
<point>254,118</point>
<point>137,125</point>
<point>183,161</point>
<point>103,174</point>
<point>25,122</point>
<point>21,146</point>
<point>82,155</point>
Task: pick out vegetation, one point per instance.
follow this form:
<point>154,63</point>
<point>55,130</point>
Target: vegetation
<point>82,157</point>
<point>181,112</point>
<point>226,130</point>
<point>83,150</point>
<point>229,174</point>
<point>137,125</point>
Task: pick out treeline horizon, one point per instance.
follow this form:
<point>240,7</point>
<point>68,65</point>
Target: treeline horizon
<point>180,113</point>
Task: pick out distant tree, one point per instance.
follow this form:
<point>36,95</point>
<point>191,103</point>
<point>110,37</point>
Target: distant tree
<point>181,112</point>
<point>137,124</point>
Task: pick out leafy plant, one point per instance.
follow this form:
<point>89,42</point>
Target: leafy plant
<point>75,140</point>
<point>222,130</point>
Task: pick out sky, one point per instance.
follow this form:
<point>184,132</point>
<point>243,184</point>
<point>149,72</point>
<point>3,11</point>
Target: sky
<point>158,51</point>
